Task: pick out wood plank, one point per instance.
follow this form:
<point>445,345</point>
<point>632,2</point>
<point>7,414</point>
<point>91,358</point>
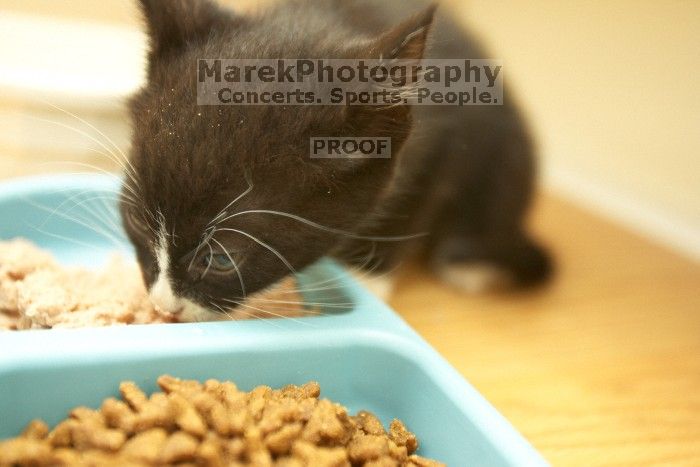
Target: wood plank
<point>602,367</point>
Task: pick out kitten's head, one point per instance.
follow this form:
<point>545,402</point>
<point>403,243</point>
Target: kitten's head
<point>222,202</point>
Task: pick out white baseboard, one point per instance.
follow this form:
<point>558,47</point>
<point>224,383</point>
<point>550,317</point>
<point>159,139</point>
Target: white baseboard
<point>623,208</point>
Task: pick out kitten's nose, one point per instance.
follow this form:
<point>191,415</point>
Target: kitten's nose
<point>163,297</point>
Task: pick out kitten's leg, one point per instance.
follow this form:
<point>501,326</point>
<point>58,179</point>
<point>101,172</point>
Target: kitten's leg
<point>479,241</point>
<point>477,265</point>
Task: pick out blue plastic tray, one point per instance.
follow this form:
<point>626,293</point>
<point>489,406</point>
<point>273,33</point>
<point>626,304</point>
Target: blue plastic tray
<point>365,357</point>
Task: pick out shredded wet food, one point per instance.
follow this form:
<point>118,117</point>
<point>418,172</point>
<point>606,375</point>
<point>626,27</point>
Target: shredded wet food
<point>36,292</point>
<point>215,424</point>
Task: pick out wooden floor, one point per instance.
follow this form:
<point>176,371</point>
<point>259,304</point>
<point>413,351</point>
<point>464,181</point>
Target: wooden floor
<point>600,368</point>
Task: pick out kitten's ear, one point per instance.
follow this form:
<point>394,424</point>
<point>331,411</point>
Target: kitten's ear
<point>172,24</point>
<point>405,43</point>
<point>407,40</point>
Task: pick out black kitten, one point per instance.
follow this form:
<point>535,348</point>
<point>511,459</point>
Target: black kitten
<point>226,201</point>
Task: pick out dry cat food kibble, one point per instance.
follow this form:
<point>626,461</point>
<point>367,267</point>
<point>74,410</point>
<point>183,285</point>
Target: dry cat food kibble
<point>38,293</point>
<point>216,424</point>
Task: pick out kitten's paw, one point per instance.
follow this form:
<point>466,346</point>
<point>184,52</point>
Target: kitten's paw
<point>475,278</point>
<point>480,265</point>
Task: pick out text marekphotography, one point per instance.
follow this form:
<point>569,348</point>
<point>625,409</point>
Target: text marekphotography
<point>349,82</point>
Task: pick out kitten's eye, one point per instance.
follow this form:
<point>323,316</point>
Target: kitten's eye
<point>219,262</point>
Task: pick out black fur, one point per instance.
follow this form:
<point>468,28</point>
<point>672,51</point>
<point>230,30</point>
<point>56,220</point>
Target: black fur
<point>463,175</point>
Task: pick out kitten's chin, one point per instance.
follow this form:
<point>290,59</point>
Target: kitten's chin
<point>193,313</point>
<point>190,312</point>
<point>187,311</point>
<point>280,300</point>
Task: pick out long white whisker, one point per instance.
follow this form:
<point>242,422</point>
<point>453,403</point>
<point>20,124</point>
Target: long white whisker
<point>132,196</point>
<point>361,273</point>
<point>296,302</point>
<point>81,221</point>
<point>231,318</point>
<point>325,228</point>
<point>246,313</point>
<point>111,213</point>
<point>60,205</point>
<point>267,312</point>
<point>113,157</point>
<point>128,171</point>
<point>129,175</point>
<point>101,211</point>
<point>264,245</point>
<point>241,196</point>
<point>211,254</point>
<point>235,266</point>
<point>97,215</point>
<point>109,140</point>
<point>206,238</point>
<point>336,278</point>
<point>314,289</point>
<point>70,240</point>
<point>361,270</point>
<point>100,222</point>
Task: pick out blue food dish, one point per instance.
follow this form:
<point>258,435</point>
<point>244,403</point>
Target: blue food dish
<point>362,353</point>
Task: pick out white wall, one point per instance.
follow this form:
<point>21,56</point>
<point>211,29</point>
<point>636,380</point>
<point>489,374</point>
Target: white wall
<point>613,89</point>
